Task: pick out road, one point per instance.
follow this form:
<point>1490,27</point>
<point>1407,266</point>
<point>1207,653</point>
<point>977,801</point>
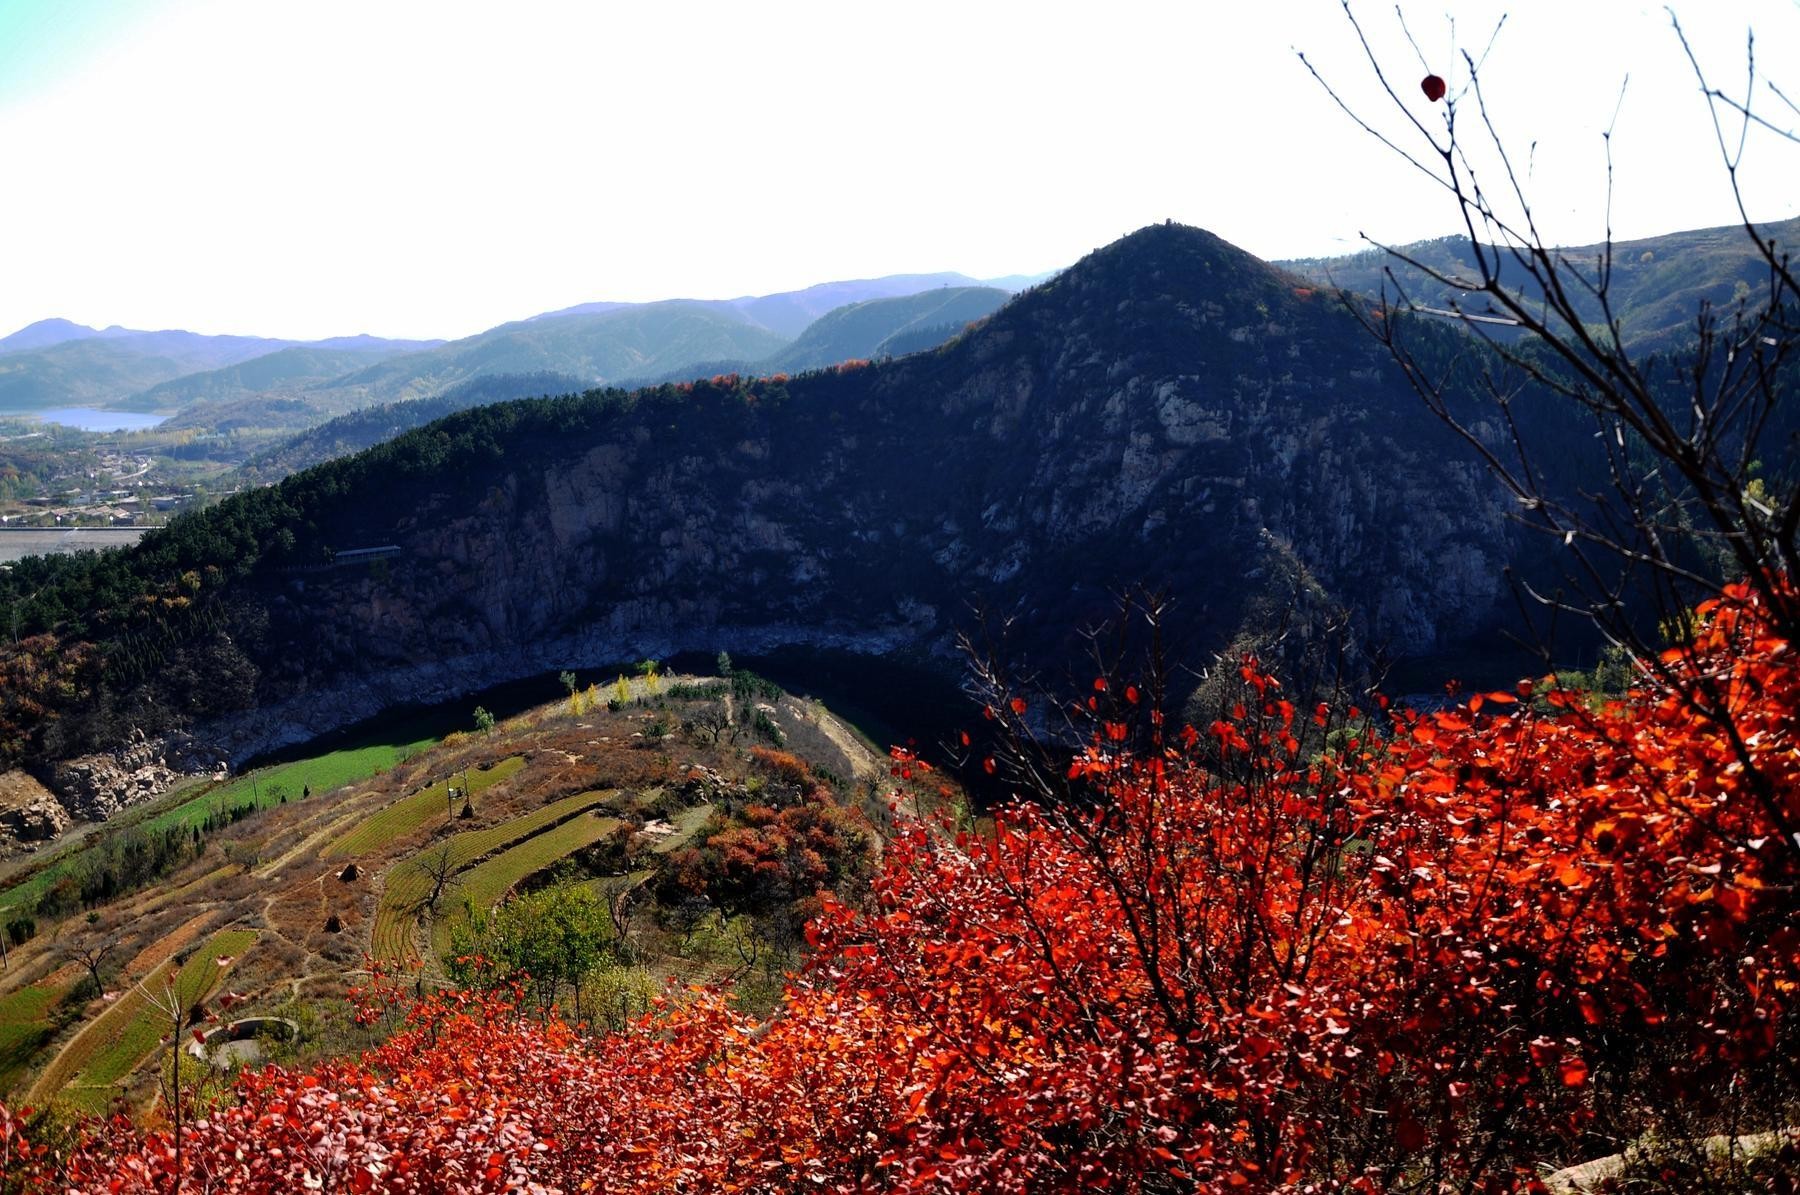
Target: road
<point>17,543</point>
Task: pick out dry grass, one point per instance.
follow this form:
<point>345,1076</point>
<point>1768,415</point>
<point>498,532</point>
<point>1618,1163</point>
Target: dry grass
<point>165,946</point>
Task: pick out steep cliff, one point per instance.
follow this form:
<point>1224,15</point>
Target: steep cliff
<point>1170,411</point>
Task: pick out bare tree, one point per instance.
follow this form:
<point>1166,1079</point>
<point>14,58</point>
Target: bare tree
<point>439,866</point>
<point>1692,483</point>
<point>91,949</point>
<point>170,1010</point>
<point>711,722</point>
<point>619,901</point>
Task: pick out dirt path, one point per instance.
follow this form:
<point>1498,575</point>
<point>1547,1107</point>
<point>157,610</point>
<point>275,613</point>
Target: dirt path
<point>864,761</point>
<point>280,861</point>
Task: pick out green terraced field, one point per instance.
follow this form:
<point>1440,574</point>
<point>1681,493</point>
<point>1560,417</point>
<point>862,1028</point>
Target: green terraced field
<point>267,786</point>
<point>111,1026</point>
<point>24,1028</point>
<point>407,885</point>
<point>484,885</point>
<point>87,1072</point>
<point>409,813</point>
<point>264,787</point>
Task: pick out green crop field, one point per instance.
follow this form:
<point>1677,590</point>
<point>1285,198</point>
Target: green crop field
<point>483,885</point>
<point>263,788</point>
<point>98,1034</point>
<point>86,1073</point>
<point>267,786</point>
<point>24,1028</point>
<point>407,884</point>
<point>409,813</point>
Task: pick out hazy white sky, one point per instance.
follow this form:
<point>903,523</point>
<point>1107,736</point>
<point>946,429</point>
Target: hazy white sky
<point>318,167</point>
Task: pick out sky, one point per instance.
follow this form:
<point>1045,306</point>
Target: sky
<point>320,168</point>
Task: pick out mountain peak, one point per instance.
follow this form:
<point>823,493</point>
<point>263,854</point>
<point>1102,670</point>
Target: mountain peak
<point>44,333</point>
<point>1183,248</point>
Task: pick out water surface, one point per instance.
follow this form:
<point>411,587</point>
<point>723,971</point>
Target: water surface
<point>92,419</point>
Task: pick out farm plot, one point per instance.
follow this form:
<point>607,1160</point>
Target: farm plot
<point>408,884</point>
<point>262,788</point>
<point>409,813</point>
<point>269,786</point>
<point>87,1072</point>
<point>24,1028</point>
<point>484,885</point>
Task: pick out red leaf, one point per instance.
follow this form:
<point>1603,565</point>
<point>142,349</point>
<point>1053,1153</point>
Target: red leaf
<point>1433,87</point>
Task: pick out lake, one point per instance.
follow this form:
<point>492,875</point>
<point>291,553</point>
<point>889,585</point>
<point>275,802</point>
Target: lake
<point>92,419</point>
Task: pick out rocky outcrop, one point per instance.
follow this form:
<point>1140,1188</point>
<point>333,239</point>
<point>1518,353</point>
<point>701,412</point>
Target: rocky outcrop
<point>96,787</point>
<point>29,813</point>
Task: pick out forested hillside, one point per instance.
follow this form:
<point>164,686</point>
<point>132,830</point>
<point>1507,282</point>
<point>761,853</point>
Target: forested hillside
<point>1169,403</point>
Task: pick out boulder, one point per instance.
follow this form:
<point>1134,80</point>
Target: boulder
<point>29,812</point>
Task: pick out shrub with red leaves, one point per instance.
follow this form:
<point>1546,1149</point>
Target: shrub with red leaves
<point>1460,946</point>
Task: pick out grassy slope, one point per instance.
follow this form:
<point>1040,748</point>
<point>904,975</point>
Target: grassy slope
<point>24,1028</point>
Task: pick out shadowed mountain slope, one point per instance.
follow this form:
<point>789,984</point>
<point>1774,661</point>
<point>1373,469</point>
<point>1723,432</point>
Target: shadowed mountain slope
<point>1170,411</point>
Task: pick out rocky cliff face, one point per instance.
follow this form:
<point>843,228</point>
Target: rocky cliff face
<point>95,787</point>
<point>1170,411</point>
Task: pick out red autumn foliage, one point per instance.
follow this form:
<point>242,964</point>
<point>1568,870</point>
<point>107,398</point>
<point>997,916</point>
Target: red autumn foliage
<point>771,858</point>
<point>782,765</point>
<point>1433,87</point>
<point>1429,960</point>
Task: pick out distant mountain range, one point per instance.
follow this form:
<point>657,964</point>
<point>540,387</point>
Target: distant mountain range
<point>622,343</point>
<point>56,362</point>
<point>872,328</point>
<point>789,313</point>
<point>1657,284</point>
<point>221,349</point>
<point>264,388</point>
<point>292,368</point>
<point>260,382</point>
